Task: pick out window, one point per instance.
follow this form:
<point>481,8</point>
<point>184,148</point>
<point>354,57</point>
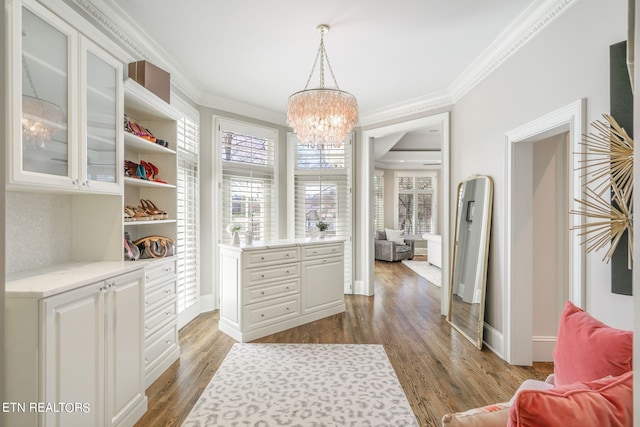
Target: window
<point>416,202</point>
<point>188,221</point>
<point>320,189</point>
<point>248,195</point>
<point>378,200</point>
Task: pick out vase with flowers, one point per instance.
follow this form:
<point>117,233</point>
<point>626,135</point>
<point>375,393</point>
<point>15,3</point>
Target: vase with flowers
<point>322,228</point>
<point>233,229</point>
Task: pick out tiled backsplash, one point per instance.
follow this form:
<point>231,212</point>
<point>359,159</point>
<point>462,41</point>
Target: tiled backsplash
<point>38,230</point>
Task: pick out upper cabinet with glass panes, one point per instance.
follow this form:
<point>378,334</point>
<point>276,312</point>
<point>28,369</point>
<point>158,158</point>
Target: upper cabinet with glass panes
<point>65,128</point>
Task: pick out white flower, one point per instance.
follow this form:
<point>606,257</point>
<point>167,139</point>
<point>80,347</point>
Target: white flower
<point>233,227</point>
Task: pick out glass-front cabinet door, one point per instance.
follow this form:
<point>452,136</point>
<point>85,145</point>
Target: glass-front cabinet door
<point>68,106</point>
<point>43,140</point>
<point>101,118</point>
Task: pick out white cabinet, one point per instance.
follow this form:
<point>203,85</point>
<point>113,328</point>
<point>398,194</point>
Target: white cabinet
<point>66,127</point>
<point>270,288</point>
<point>90,362</point>
<point>322,277</point>
<point>161,314</point>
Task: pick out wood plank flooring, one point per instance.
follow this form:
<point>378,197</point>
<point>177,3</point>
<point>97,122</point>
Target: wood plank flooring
<point>439,370</point>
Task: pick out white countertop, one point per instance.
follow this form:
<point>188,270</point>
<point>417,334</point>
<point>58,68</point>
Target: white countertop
<point>282,243</point>
<point>52,280</point>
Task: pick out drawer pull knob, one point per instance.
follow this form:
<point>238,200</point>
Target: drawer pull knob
<point>262,275</point>
<point>287,255</point>
<point>324,261</point>
<point>287,271</point>
<point>168,313</point>
<point>287,308</point>
<point>287,287</point>
<point>262,258</point>
<point>146,328</point>
<point>167,342</point>
<point>262,315</point>
<point>168,291</point>
<point>169,269</point>
<point>262,293</point>
<point>146,360</point>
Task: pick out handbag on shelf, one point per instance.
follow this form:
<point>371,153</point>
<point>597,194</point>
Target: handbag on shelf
<point>155,247</point>
<point>131,251</point>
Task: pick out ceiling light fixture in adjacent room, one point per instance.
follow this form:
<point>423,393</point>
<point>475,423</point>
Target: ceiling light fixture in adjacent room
<point>322,116</point>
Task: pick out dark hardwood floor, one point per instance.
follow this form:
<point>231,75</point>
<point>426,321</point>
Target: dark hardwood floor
<point>439,370</point>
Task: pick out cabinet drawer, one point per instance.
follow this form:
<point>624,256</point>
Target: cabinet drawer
<point>321,251</point>
<point>158,272</point>
<point>160,316</point>
<point>272,311</point>
<point>260,293</point>
<point>161,342</point>
<point>271,257</point>
<point>261,275</point>
<point>160,294</point>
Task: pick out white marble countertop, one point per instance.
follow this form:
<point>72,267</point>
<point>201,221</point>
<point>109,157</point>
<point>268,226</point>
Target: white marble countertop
<point>52,280</point>
<point>282,243</point>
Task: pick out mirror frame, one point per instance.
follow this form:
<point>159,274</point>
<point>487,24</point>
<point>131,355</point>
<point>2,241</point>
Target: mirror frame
<point>483,254</point>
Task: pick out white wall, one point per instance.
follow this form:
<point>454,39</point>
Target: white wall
<point>567,61</point>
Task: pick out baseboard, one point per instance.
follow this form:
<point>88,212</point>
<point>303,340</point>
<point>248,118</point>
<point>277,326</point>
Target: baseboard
<point>542,348</point>
<point>359,288</point>
<point>493,339</point>
<point>207,303</point>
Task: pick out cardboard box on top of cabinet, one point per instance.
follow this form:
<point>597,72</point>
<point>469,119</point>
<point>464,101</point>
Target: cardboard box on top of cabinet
<point>151,77</point>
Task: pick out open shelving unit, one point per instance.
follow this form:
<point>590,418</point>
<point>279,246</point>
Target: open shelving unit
<point>160,119</point>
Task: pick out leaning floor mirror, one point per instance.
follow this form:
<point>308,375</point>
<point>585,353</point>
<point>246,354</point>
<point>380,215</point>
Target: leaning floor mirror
<point>470,257</point>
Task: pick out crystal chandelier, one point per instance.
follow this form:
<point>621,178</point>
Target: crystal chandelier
<point>322,116</point>
<point>40,119</point>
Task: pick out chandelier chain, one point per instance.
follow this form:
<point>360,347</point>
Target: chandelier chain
<point>27,71</point>
<point>322,55</point>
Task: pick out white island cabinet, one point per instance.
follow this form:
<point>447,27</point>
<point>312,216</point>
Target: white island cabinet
<point>74,346</point>
<point>269,287</point>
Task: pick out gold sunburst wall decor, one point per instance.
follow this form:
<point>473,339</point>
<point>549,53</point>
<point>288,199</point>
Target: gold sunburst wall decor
<point>609,156</point>
<point>609,165</point>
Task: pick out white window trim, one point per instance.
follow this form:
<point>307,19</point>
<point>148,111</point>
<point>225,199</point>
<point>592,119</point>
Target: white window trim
<point>266,132</point>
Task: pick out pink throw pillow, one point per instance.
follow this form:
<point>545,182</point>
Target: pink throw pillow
<point>607,402</point>
<point>587,349</point>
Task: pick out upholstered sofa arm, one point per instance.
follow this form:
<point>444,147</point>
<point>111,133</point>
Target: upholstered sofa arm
<point>496,415</point>
<point>385,249</point>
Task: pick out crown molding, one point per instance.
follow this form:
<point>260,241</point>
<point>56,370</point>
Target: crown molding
<point>526,26</point>
<point>139,45</point>
<point>416,106</point>
<point>243,109</point>
<point>112,20</point>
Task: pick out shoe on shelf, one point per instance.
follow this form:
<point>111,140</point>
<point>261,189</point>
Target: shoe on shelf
<point>152,210</point>
<point>137,214</point>
<point>151,206</point>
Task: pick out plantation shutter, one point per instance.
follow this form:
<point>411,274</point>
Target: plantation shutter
<point>320,187</point>
<point>248,188</point>
<point>188,221</point>
<point>378,200</point>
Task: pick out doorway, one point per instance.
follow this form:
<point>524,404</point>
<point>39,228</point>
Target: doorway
<point>544,262</point>
<point>366,197</point>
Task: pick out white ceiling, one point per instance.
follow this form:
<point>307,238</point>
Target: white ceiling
<point>258,52</point>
